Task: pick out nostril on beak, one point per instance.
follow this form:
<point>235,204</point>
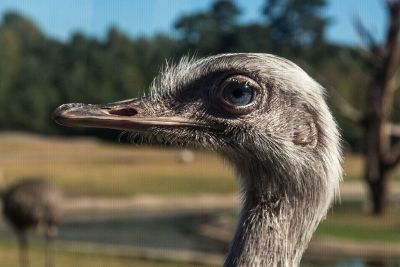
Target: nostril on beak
<point>123,112</point>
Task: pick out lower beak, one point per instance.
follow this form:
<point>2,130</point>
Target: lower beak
<point>125,115</point>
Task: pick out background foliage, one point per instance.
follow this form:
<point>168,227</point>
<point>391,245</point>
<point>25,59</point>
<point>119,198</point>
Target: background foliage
<point>38,73</point>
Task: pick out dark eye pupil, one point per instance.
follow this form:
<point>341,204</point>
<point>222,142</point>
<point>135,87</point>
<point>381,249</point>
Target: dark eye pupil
<point>238,94</point>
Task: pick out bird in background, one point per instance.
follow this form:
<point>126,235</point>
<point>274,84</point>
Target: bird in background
<point>263,114</point>
<point>33,204</point>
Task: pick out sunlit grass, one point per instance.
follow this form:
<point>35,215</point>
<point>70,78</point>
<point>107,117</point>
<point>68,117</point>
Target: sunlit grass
<point>88,167</point>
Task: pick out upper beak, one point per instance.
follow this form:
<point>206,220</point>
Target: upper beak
<point>124,115</point>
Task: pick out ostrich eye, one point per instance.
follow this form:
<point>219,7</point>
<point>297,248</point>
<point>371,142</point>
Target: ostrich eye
<point>237,94</point>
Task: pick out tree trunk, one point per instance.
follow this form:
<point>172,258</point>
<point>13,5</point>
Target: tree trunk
<point>375,177</point>
<point>377,191</point>
<point>376,139</point>
<point>381,155</point>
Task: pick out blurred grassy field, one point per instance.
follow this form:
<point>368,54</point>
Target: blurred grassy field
<point>90,167</point>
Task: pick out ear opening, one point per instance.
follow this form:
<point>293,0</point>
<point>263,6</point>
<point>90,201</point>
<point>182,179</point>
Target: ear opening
<point>305,130</point>
<point>306,134</point>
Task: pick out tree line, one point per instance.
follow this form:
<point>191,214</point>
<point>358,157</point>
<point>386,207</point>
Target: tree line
<point>38,73</point>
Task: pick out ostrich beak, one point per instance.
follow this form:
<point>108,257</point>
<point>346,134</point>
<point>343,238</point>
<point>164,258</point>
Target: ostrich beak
<point>128,115</point>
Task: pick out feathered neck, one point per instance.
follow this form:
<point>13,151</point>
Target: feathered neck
<point>274,228</point>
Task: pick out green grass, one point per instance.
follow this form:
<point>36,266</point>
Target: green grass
<point>361,226</point>
<point>356,233</point>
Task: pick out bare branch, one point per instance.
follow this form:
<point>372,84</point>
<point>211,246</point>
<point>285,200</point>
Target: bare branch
<point>373,52</point>
<point>364,33</point>
<point>392,38</point>
<point>345,108</point>
<point>390,3</point>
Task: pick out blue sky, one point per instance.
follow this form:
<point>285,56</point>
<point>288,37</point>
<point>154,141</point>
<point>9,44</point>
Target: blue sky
<point>60,18</point>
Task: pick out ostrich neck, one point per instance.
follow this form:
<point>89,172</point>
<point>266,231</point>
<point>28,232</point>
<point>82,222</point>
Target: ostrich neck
<point>273,231</point>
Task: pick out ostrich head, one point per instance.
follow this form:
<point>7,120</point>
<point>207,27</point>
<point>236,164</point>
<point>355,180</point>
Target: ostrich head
<point>268,118</point>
